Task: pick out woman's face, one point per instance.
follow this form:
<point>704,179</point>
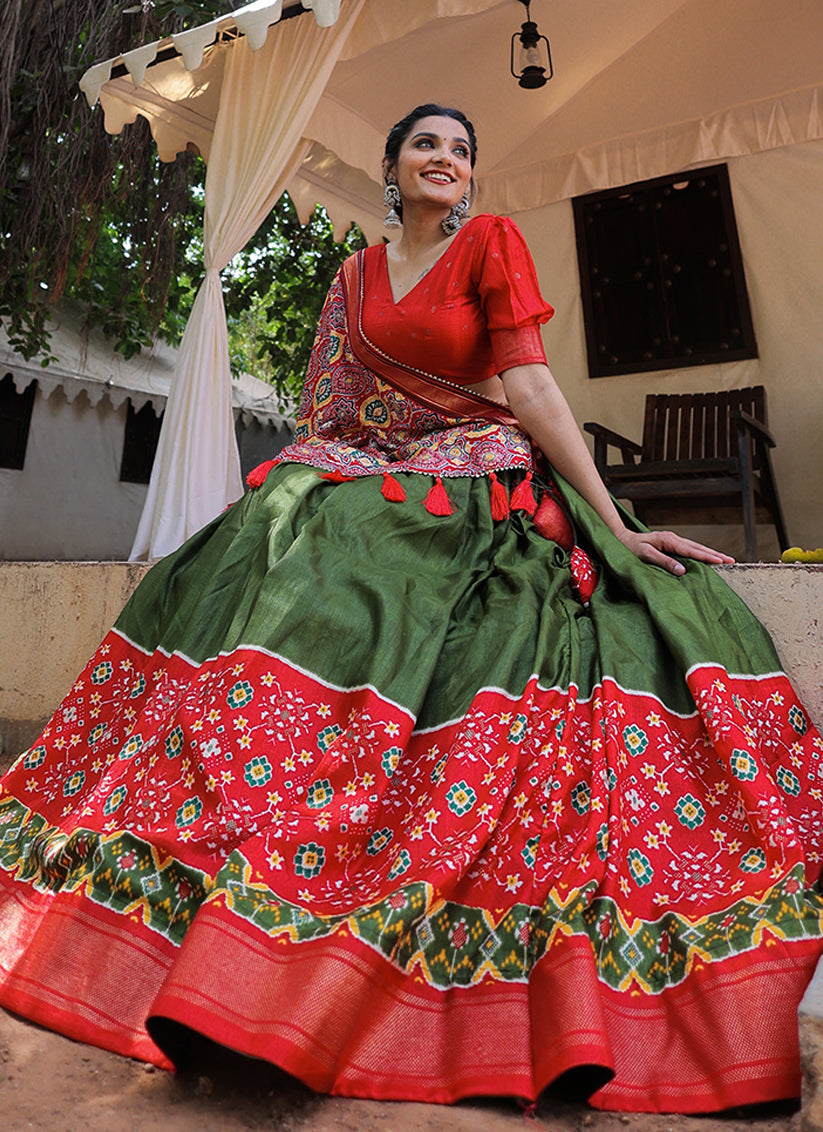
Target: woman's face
<point>434,164</point>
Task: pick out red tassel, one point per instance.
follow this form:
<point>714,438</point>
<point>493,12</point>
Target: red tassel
<point>553,523</point>
<point>584,575</point>
<point>257,476</point>
<point>392,490</point>
<point>437,502</point>
<point>499,499</point>
<point>337,477</point>
<point>523,496</point>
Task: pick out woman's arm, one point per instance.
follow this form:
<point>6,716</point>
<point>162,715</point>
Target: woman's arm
<point>542,410</point>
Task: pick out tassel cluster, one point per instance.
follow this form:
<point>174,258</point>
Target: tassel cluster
<point>523,496</point>
<point>499,499</point>
<point>257,476</point>
<point>437,502</point>
<point>549,518</point>
<point>392,489</point>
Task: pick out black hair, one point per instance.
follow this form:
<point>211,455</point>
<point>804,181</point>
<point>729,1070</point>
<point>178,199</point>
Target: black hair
<point>399,132</point>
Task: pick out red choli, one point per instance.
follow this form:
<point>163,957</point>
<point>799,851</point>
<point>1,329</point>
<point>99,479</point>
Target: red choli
<point>475,313</point>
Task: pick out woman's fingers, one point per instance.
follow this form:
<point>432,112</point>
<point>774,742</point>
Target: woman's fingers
<point>656,547</point>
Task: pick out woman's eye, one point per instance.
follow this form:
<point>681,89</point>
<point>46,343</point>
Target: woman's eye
<point>461,151</point>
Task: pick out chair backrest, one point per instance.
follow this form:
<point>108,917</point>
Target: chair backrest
<point>696,426</point>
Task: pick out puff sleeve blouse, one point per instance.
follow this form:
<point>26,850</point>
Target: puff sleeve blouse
<point>475,313</point>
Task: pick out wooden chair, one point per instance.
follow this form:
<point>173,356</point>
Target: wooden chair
<point>704,459</point>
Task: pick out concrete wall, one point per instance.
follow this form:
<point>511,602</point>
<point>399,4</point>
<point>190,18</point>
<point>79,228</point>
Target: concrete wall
<point>54,614</point>
<point>67,501</point>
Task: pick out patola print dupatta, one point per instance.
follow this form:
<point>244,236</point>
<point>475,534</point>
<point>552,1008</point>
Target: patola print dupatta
<point>437,393</point>
<point>437,428</point>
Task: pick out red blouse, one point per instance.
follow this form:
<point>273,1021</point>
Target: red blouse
<point>475,313</point>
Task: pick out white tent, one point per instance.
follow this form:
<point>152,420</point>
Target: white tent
<point>69,499</point>
<point>641,88</point>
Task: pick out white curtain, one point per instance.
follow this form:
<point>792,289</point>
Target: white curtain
<point>267,98</point>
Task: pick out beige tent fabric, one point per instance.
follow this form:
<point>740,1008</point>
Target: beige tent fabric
<point>252,21</point>
<point>771,123</point>
<point>640,89</point>
<point>188,121</point>
<point>179,96</point>
<point>332,172</point>
<point>384,22</point>
<point>267,97</point>
<point>777,199</point>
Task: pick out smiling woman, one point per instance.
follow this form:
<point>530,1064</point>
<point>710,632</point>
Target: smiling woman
<point>424,771</point>
<point>430,163</point>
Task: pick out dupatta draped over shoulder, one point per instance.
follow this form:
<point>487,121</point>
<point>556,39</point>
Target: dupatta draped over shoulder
<point>366,410</point>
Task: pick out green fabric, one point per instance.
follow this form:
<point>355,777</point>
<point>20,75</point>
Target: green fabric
<point>358,590</point>
<point>697,616</point>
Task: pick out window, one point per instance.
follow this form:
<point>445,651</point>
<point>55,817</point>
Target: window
<point>15,418</point>
<point>139,444</point>
<point>661,275</point>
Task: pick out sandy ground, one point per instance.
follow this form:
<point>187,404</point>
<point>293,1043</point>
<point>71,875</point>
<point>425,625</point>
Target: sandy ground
<point>52,1084</point>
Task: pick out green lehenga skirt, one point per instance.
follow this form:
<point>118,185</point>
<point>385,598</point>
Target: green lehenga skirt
<point>371,794</point>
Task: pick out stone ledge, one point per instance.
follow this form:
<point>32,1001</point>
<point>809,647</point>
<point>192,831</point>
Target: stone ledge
<point>53,616</point>
<point>788,599</point>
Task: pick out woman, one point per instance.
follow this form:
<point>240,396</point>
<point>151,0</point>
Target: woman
<point>422,771</point>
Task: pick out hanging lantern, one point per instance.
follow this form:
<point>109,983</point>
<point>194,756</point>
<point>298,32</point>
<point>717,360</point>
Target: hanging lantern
<point>531,58</point>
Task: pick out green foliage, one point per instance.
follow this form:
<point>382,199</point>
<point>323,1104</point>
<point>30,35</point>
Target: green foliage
<point>64,183</point>
<point>104,220</point>
<point>140,250</point>
<point>274,294</point>
<point>273,289</point>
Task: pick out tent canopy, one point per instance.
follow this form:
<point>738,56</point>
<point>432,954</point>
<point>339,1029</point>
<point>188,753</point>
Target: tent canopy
<point>86,363</point>
<point>641,88</point>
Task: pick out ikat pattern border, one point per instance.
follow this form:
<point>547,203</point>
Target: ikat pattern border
<point>447,943</point>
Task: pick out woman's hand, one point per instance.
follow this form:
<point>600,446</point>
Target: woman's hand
<point>657,546</point>
<point>543,412</point>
